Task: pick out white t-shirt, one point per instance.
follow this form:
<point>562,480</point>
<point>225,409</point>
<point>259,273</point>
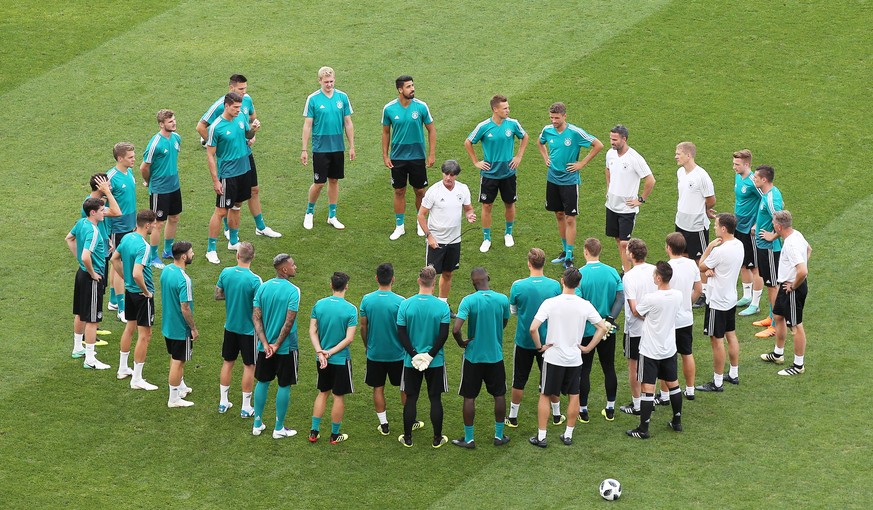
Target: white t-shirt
<point>685,275</point>
<point>637,282</point>
<point>446,210</point>
<point>694,187</point>
<point>793,253</point>
<point>659,337</point>
<point>725,261</point>
<point>625,173</point>
<point>566,315</point>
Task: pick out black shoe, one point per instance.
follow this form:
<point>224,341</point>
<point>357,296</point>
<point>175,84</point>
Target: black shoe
<point>568,263</point>
<point>566,440</point>
<point>687,396</point>
<point>560,258</point>
<point>710,387</point>
<point>637,433</point>
<point>405,441</point>
<point>583,416</point>
<point>677,426</point>
<point>464,444</point>
<point>659,401</point>
<point>536,442</point>
<point>500,441</point>
<point>609,414</point>
<point>558,419</point>
<point>383,429</point>
<point>511,422</point>
<point>701,302</point>
<point>732,380</point>
<point>629,409</point>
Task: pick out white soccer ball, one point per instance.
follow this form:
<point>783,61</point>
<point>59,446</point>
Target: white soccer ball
<point>610,489</point>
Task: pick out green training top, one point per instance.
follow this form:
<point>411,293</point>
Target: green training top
<point>526,295</point>
<point>380,308</point>
<point>563,149</point>
<point>334,316</point>
<point>134,249</point>
<point>275,298</point>
<point>176,288</point>
<point>498,145</point>
<point>407,134</point>
<point>422,315</point>
<point>88,237</point>
<point>599,284</point>
<point>239,285</point>
<point>484,311</point>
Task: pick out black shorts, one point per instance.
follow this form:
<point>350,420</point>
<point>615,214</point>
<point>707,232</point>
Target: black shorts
<point>620,225</point>
<point>631,346</point>
<point>378,371</point>
<point>522,363</point>
<point>749,256</point>
<point>236,343</point>
<point>650,370</point>
<point>413,170</point>
<point>328,165</point>
<point>114,241</point>
<point>684,337</point>
<point>557,380</point>
<point>489,187</point>
<point>166,204</point>
<point>335,378</point>
<point>235,190</point>
<point>718,322</point>
<point>790,304</point>
<point>140,308</point>
<point>179,350</point>
<point>253,173</point>
<point>437,381</point>
<point>562,198</point>
<point>88,297</point>
<point>445,258</point>
<point>695,242</point>
<point>768,265</point>
<point>281,366</point>
<point>474,374</point>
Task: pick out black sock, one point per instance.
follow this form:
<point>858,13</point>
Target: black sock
<point>676,403</point>
<point>436,415</point>
<point>409,414</point>
<point>647,405</point>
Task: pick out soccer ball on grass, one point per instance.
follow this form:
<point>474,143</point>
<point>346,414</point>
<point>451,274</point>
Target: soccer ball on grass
<point>610,489</point>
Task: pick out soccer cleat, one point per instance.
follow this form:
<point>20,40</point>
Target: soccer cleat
<point>314,435</point>
<point>770,331</point>
<point>166,255</point>
<point>405,441</point>
<point>256,431</point>
<point>142,384</point>
<point>112,306</point>
<point>568,263</point>
<point>511,422</point>
<point>463,444</point>
<point>267,231</point>
<point>662,401</point>
<point>732,380</point>
<point>566,440</point>
<point>539,443</point>
<point>338,438</point>
<point>399,230</point>
<point>500,441</point>
<point>485,246</point>
<point>764,323</point>
<point>772,357</point>
<point>700,303</point>
<point>558,419</point>
<point>751,310</point>
<point>212,257</point>
<point>583,416</point>
<point>629,409</point>
<point>307,221</point>
<point>121,317</point>
<point>179,403</point>
<point>96,365</point>
<point>439,441</point>
<point>227,234</point>
<point>283,433</point>
<point>78,354</point>
<point>184,391</point>
<point>710,387</point>
<point>637,433</point>
<point>609,414</point>
<point>156,263</point>
<point>232,247</point>
<point>222,408</point>
<point>383,429</point>
<point>688,396</point>
<point>744,302</point>
<point>418,425</point>
<point>677,426</point>
<point>560,258</point>
<point>335,223</point>
<point>100,343</point>
<point>247,412</point>
<point>420,231</point>
<point>123,373</point>
<point>103,332</point>
<point>792,370</point>
<point>508,240</point>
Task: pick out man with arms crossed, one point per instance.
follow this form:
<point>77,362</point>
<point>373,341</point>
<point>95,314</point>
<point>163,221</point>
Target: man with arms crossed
<point>637,283</point>
<point>177,320</point>
<point>694,207</point>
<point>746,203</point>
<point>160,172</point>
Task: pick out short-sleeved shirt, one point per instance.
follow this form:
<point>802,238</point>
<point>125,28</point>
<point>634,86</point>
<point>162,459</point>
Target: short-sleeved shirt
<point>564,148</point>
<point>746,202</point>
<point>247,108</point>
<point>276,297</point>
<point>88,237</point>
<point>422,314</point>
<point>567,315</point>
<point>660,308</point>
<point>239,285</point>
<point>124,190</point>
<point>176,288</point>
<point>163,156</point>
<point>407,123</point>
<point>328,115</point>
<point>794,252</point>
<point>231,150</point>
<point>638,282</point>
<point>526,296</point>
<point>380,308</point>
<point>102,225</point>
<point>685,275</point>
<point>599,284</point>
<point>335,316</point>
<point>498,145</point>
<point>625,173</point>
<point>484,311</point>
<point>694,187</point>
<point>770,203</point>
<point>134,249</point>
<point>725,261</point>
<point>446,210</point>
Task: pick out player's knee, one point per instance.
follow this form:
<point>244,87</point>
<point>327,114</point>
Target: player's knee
<point>255,190</point>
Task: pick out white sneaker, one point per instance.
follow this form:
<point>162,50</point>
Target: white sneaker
<point>267,232</point>
<point>486,245</point>
<point>420,231</point>
<point>399,230</point>
<point>112,306</point>
<point>179,403</point>
<point>96,365</point>
<point>121,317</point>
<point>508,240</point>
<point>184,392</point>
<point>307,221</point>
<point>212,256</point>
<point>123,373</point>
<point>335,223</point>
<point>256,431</point>
<point>227,234</point>
<point>222,408</point>
<point>285,432</point>
<point>142,384</point>
<point>247,412</point>
<point>233,247</point>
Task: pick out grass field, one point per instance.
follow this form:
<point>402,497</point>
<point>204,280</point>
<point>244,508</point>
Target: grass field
<point>789,80</point>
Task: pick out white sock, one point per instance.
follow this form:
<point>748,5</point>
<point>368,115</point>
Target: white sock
<point>637,401</point>
<point>689,390</point>
<point>778,350</point>
<point>89,353</point>
<point>734,371</point>
<point>224,390</point>
<point>583,408</point>
<point>383,417</point>
<point>610,404</point>
<point>513,410</point>
<point>78,340</point>
<point>541,434</point>
<point>247,400</point>
<point>718,379</point>
<point>122,359</point>
<point>747,290</point>
<point>444,299</point>
<point>665,395</point>
<point>182,385</point>
<point>798,360</point>
<point>568,433</point>
<point>756,297</point>
<point>137,371</point>
<point>174,393</point>
<point>556,408</point>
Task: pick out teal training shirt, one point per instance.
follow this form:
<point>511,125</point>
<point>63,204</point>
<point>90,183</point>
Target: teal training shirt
<point>88,237</point>
<point>746,203</point>
<point>124,190</point>
<point>276,297</point>
<point>599,284</point>
<point>563,149</point>
<point>334,316</point>
<point>163,156</point>
<point>422,315</point>
<point>407,128</point>
<point>134,249</point>
<point>328,116</point>
<point>176,288</point>
<point>380,308</point>
<point>239,285</point>
<point>526,295</point>
<point>770,203</point>
<point>498,145</point>
<point>231,150</point>
<point>102,225</point>
<point>484,311</point>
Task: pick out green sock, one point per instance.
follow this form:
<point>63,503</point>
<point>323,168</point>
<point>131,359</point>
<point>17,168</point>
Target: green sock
<point>210,244</point>
<point>399,219</point>
<point>498,429</point>
<point>120,302</point>
<point>486,233</point>
<point>261,389</point>
<point>563,245</point>
<point>331,210</point>
<point>259,222</point>
<point>310,208</point>
<point>283,398</point>
<point>316,423</point>
<point>153,252</point>
<point>569,252</point>
<point>224,222</point>
<point>234,235</point>
<point>334,427</point>
<point>509,225</point>
<point>468,433</point>
<point>113,298</point>
<point>168,246</point>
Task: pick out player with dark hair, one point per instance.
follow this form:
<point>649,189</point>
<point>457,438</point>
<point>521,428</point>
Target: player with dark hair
<point>768,245</point>
<point>686,279</point>
<point>637,283</point>
<point>177,320</point>
<point>160,172</point>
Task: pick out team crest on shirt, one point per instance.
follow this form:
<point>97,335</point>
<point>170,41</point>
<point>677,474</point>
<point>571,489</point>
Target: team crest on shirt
<point>414,115</point>
<point>508,133</point>
<point>567,142</point>
<point>339,104</point>
<point>241,125</point>
<point>176,145</point>
<point>245,111</point>
<point>460,197</point>
<point>743,189</point>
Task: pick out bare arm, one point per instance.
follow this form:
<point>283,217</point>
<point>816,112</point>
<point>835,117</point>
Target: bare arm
<point>603,329</point>
<point>203,129</point>
<point>596,147</point>
<point>481,165</point>
<point>431,144</point>
<point>218,294</point>
<point>456,333</point>
<point>89,265</point>
<point>364,330</point>
<point>710,203</point>
<point>213,169</point>
<point>259,331</point>
<point>422,221</point>
<point>696,291</point>
<point>350,134</point>
<point>535,335</point>
<point>307,134</point>
<point>544,152</point>
<point>71,242</point>
<point>189,318</point>
<point>520,154</point>
<point>320,353</point>
<point>139,279</point>
<point>117,265</point>
<point>386,143</point>
<point>350,337</point>
<point>290,316</point>
<point>146,170</point>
